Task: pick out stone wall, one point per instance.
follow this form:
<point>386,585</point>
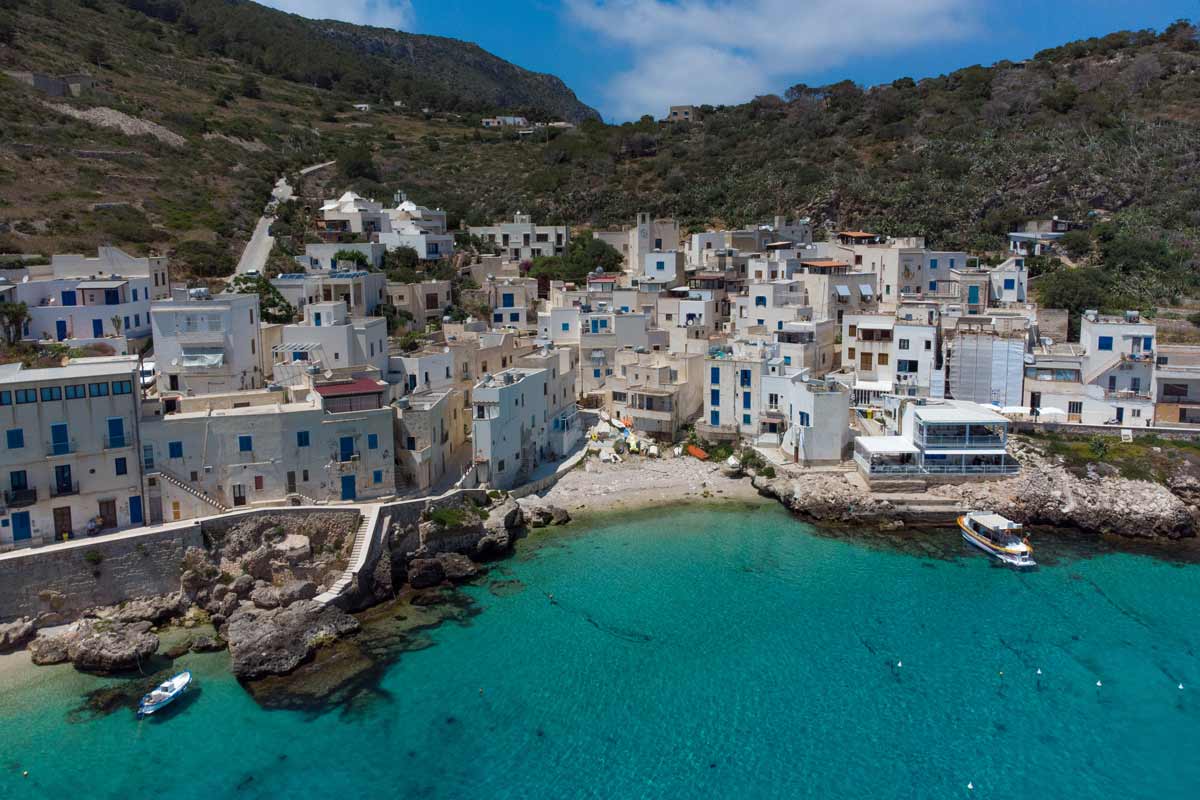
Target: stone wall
<point>70,577</point>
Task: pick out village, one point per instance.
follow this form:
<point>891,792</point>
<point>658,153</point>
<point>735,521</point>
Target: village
<point>795,347</point>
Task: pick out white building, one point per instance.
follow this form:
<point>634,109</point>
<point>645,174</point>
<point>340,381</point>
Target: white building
<point>808,417</point>
<point>658,392</point>
<point>521,240</point>
<point>890,355</point>
<point>328,339</point>
<point>363,292</point>
<point>205,344</point>
<point>769,306</point>
<point>70,452</point>
<point>524,417</point>
<point>333,442</point>
<point>985,359</point>
<point>938,441</point>
<point>322,257</point>
<point>81,301</point>
<point>350,214</point>
<point>1105,379</point>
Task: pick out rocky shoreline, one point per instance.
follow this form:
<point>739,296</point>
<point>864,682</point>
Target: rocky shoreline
<point>1044,493</point>
<point>256,581</point>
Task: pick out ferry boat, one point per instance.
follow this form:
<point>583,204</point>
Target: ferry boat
<point>998,537</point>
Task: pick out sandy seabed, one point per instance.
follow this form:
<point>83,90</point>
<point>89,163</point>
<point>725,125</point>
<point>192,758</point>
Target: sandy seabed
<point>645,482</point>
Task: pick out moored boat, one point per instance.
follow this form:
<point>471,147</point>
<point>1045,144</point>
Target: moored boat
<point>164,694</point>
<point>997,536</point>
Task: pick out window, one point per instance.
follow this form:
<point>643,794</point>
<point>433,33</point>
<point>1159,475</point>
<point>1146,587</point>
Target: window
<point>745,377</point>
<point>928,344</point>
<point>746,399</point>
<point>596,373</point>
<point>497,317</point>
<point>377,476</point>
<point>906,365</point>
<point>804,420</point>
<point>660,265</point>
<point>933,286</point>
<point>26,396</point>
<point>245,444</point>
<point>1104,343</point>
<point>933,263</point>
<point>1135,412</point>
<point>175,449</point>
<point>76,391</point>
<point>372,441</point>
<point>97,390</point>
<point>903,345</point>
<point>883,359</point>
<point>16,438</point>
<point>566,326</point>
<point>5,398</point>
<point>852,330</point>
<point>1075,407</point>
<point>745,419</point>
<point>122,387</point>
<point>121,466</point>
<point>51,393</point>
<point>714,397</point>
<point>410,443</point>
<point>514,317</point>
<point>1148,343</point>
<point>714,418</point>
<point>258,483</point>
<point>148,456</point>
<point>1010,283</point>
<point>714,376</point>
<point>302,439</point>
<point>1175,390</point>
<point>760,300</point>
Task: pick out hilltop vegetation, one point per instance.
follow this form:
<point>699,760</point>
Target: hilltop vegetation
<point>1105,128</point>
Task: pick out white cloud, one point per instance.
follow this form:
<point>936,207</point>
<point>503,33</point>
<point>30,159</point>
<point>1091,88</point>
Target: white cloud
<point>380,13</point>
<point>726,51</point>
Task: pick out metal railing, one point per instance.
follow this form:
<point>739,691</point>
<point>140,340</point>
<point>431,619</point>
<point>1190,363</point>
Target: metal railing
<point>116,442</point>
<point>940,469</point>
<point>64,489</point>
<point>961,441</point>
<point>61,448</point>
<point>15,498</point>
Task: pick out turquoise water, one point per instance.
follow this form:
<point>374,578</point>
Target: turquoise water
<point>700,653</point>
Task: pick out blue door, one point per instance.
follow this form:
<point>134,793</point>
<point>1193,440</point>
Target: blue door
<point>346,448</point>
<point>20,525</point>
<point>68,297</point>
<point>116,432</point>
<point>348,490</point>
<point>112,297</point>
<point>98,328</point>
<point>135,510</point>
<point>973,295</point>
<point>60,329</point>
<point>62,479</point>
<point>60,443</point>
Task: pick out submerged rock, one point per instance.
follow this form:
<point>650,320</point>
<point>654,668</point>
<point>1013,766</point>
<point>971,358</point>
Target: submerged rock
<point>276,641</point>
<point>45,650</point>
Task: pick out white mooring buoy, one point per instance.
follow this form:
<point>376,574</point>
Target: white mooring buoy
<point>1098,684</point>
<point>970,786</point>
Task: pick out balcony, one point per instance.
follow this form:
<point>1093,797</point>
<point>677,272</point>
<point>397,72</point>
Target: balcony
<point>345,458</point>
<point>16,498</point>
<point>61,448</point>
<point>1144,357</point>
<point>982,442</point>
<point>1117,395</point>
<point>117,442</point>
<point>64,488</point>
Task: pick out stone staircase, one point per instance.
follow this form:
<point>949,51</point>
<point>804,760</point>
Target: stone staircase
<point>179,483</point>
<point>922,507</point>
<point>368,517</point>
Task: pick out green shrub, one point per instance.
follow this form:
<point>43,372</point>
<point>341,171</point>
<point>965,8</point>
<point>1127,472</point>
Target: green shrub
<point>93,557</point>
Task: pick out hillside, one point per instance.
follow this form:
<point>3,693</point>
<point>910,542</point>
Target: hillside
<point>1103,128</point>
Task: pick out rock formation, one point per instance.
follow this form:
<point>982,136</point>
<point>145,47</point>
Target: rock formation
<point>275,641</point>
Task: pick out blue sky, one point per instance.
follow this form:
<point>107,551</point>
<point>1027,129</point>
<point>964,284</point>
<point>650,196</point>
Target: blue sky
<point>630,57</point>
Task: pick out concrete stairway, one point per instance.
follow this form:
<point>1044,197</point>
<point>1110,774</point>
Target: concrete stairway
<point>921,506</point>
<point>368,519</point>
<point>192,490</point>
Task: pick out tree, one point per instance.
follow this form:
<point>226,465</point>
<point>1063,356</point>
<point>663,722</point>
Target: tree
<point>1076,244</point>
<point>357,256</point>
<point>401,258</point>
<point>272,306</point>
<point>584,255</point>
<point>250,87</point>
<point>116,323</point>
<point>358,162</point>
<point>95,52</point>
<point>12,318</point>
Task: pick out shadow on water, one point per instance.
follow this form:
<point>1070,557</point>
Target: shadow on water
<point>125,695</point>
<point>347,676</point>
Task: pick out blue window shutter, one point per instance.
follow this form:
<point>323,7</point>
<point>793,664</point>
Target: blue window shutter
<point>16,438</point>
<point>714,397</point>
<point>372,441</point>
<point>933,286</point>
<point>714,418</point>
<point>245,443</point>
<point>175,449</point>
<point>566,326</point>
<point>746,399</point>
<point>933,263</point>
<point>745,419</point>
<point>1104,343</point>
<point>1148,343</point>
<point>714,375</point>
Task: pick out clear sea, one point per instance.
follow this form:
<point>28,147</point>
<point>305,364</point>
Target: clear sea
<point>697,653</point>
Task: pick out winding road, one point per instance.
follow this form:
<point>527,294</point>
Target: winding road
<point>258,249</point>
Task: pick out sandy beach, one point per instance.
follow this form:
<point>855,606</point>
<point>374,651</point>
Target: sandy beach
<point>644,482</point>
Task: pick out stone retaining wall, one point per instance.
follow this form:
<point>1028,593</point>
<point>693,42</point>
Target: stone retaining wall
<point>70,577</point>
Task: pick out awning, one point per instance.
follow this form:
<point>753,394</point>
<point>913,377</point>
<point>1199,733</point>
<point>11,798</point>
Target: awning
<point>872,386</point>
<point>843,291</point>
<point>202,359</point>
<point>885,445</point>
<point>100,284</point>
<point>866,290</point>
